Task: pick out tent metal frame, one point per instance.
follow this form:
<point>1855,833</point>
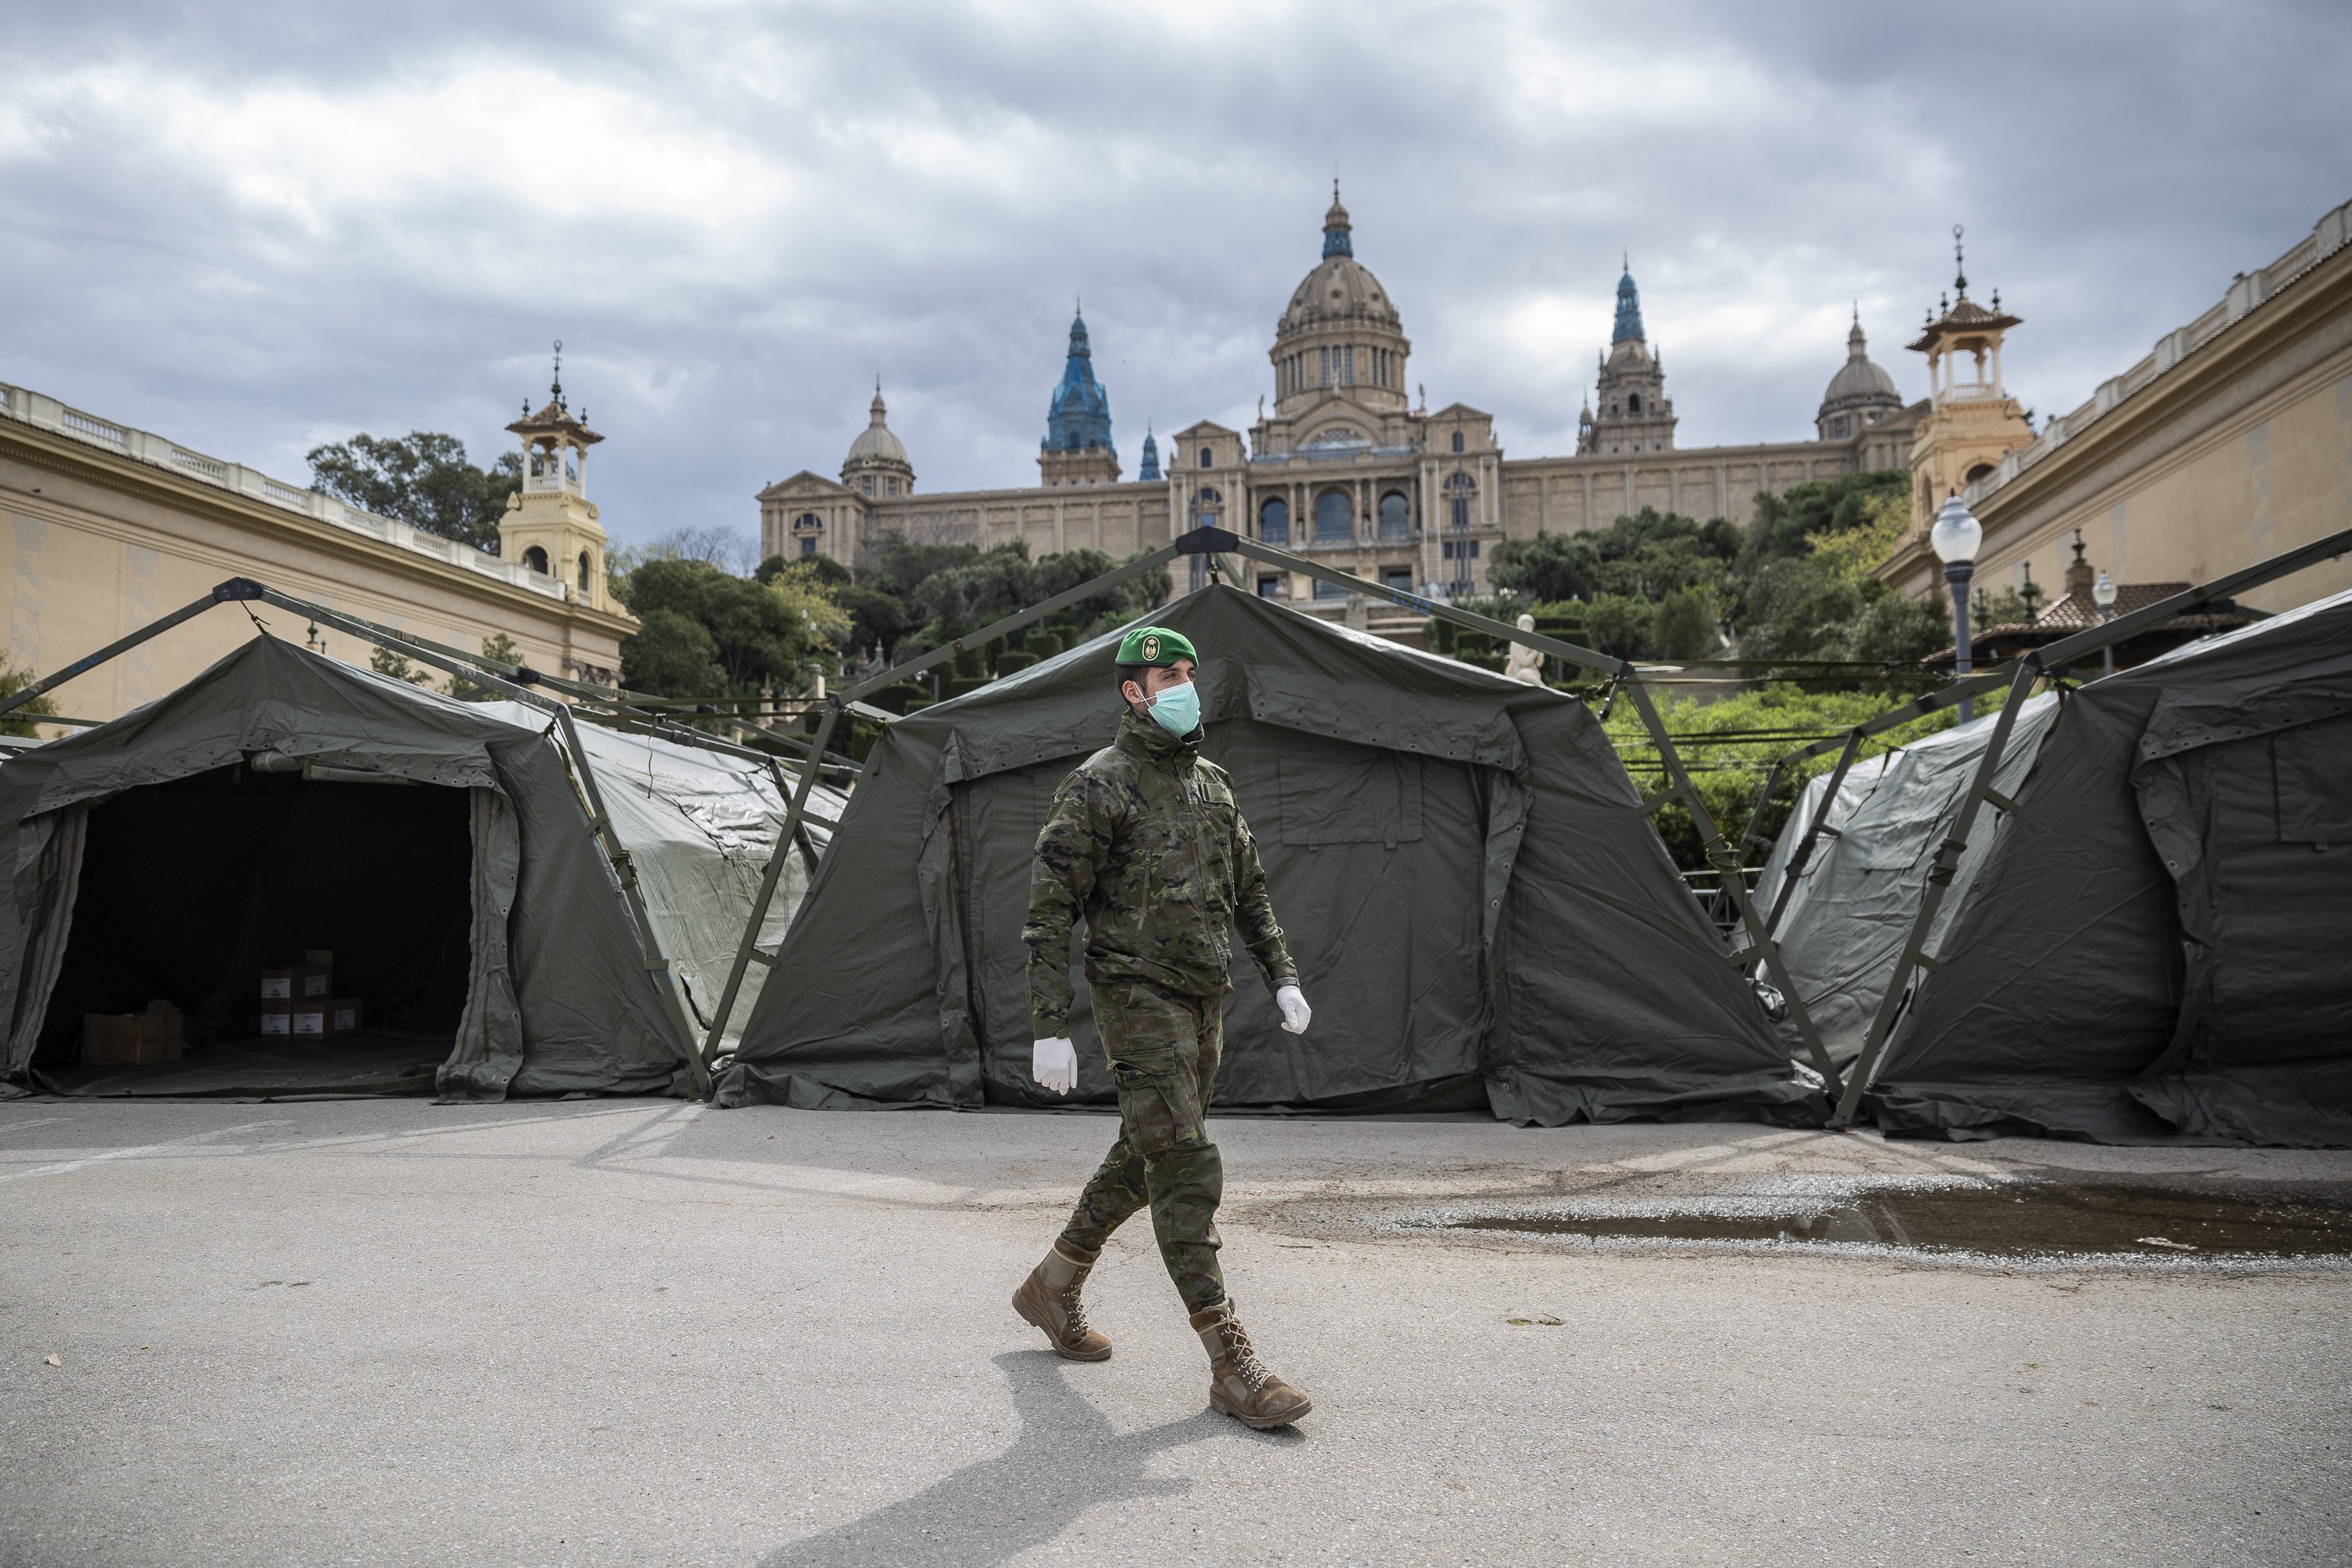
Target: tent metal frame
<point>1218,545</point>
<point>515,682</point>
<point>2020,675</point>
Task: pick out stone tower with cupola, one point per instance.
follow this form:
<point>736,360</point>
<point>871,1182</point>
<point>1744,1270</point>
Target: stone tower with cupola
<point>1077,449</point>
<point>1631,413</point>
<point>550,525</point>
<point>1341,337</point>
<point>1972,422</point>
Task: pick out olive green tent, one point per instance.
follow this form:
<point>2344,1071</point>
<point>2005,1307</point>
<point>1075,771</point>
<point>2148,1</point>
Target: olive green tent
<point>2159,944</point>
<point>280,803</point>
<point>1481,914</point>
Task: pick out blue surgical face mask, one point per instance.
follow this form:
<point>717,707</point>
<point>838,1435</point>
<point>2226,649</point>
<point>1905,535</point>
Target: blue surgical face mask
<point>1177,710</point>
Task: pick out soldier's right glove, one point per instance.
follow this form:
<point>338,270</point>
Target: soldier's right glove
<point>1295,1013</point>
<point>1055,1064</point>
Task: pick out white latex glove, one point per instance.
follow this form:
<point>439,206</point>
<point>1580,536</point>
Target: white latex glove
<point>1055,1064</point>
<point>1295,1013</point>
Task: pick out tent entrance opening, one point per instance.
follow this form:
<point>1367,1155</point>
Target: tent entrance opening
<point>190,890</point>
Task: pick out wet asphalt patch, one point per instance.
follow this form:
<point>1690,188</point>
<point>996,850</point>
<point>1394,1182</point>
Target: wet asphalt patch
<point>2027,1222</point>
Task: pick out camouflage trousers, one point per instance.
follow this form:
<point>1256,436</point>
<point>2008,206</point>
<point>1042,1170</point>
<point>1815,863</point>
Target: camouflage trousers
<point>1164,1051</point>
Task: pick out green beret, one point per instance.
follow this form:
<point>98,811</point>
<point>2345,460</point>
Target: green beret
<point>1155,645</point>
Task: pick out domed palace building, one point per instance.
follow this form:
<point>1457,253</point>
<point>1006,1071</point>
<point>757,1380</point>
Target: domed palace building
<point>1349,465</point>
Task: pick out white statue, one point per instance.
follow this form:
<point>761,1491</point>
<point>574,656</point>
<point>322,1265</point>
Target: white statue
<point>1525,663</point>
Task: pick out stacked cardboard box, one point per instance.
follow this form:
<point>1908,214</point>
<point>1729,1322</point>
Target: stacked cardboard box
<point>299,1000</point>
<point>131,1039</point>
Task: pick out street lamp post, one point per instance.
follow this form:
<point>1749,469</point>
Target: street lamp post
<point>2102,594</point>
<point>1955,538</point>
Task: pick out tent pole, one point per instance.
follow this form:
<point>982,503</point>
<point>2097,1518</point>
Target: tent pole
<point>1727,860</point>
<point>625,871</point>
<point>998,630</point>
<point>749,947</point>
<point>1939,878</point>
<point>234,589</point>
<point>1274,555</point>
<point>1803,853</point>
<point>1748,835</point>
<point>2123,628</point>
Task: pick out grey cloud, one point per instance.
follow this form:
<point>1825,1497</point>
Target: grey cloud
<point>921,191</point>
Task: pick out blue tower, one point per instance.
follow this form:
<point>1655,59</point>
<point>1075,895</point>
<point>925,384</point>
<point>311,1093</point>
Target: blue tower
<point>1629,309</point>
<point>1150,469</point>
<point>1077,446</point>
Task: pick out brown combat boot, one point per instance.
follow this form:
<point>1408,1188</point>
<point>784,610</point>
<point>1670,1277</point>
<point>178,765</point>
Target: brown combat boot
<point>1239,1383</point>
<point>1049,1299</point>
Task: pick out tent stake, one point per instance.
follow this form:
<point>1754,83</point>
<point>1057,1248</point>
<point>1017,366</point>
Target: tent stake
<point>1939,877</point>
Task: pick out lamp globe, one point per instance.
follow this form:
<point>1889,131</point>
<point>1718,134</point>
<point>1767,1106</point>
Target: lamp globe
<point>1956,532</point>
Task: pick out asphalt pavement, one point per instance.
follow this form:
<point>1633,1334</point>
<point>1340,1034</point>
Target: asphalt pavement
<point>645,1331</point>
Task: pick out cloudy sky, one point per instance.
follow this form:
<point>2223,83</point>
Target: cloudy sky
<point>253,227</point>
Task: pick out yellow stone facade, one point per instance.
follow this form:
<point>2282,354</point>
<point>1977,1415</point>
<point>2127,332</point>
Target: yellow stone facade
<point>104,529</point>
<point>2229,442</point>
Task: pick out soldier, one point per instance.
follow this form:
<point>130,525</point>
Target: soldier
<point>1146,842</point>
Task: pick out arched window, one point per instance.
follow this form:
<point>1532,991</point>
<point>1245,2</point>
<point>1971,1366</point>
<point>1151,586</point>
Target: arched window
<point>1335,517</point>
<point>1461,489</point>
<point>1274,521</point>
<point>1633,403</point>
<point>810,520</point>
<point>1396,516</point>
<point>1204,457</point>
<point>583,571</point>
<point>889,487</point>
<point>536,559</point>
<point>1980,471</point>
<point>866,484</point>
<point>1457,441</point>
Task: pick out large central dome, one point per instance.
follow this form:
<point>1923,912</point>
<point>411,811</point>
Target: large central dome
<point>1341,331</point>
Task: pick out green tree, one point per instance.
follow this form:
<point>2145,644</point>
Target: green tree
<point>671,654</point>
<point>499,646</point>
<point>745,633</point>
<point>20,721</point>
<point>1784,522</point>
<point>1684,624</point>
<point>383,661</point>
<point>422,478</point>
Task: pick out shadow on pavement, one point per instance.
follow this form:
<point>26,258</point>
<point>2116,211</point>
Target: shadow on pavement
<point>1067,1460</point>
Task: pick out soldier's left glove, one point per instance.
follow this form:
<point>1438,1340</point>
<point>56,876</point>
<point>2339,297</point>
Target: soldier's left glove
<point>1295,1013</point>
<point>1055,1064</point>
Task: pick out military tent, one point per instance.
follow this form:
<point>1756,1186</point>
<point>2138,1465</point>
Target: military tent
<point>1481,915</point>
<point>2159,944</point>
<point>1845,916</point>
<point>282,803</point>
<point>700,824</point>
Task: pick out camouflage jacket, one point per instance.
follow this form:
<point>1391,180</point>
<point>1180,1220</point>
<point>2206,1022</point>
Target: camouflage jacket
<point>1145,843</point>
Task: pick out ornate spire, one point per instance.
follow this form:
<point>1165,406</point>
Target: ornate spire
<point>1629,308</point>
<point>1150,469</point>
<point>1078,417</point>
<point>1959,265</point>
<point>1857,345</point>
<point>1337,239</point>
<point>875,411</point>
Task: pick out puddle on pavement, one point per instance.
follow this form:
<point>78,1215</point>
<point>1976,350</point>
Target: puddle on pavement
<point>2006,1220</point>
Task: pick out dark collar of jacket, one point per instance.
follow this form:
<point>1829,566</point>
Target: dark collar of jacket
<point>1141,737</point>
